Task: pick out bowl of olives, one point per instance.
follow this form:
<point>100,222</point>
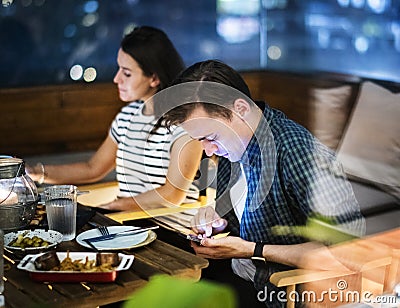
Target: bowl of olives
<point>32,241</point>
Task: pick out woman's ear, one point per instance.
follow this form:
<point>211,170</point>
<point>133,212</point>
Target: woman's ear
<point>241,107</point>
<point>155,81</point>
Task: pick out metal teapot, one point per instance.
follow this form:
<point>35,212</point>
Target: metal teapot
<point>18,195</point>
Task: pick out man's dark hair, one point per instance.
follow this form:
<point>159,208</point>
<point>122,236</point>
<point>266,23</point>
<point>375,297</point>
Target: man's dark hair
<point>154,52</point>
<point>211,84</point>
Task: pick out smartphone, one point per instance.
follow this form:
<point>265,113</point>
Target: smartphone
<point>193,237</point>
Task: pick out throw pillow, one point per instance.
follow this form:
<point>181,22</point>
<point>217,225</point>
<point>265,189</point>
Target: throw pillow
<point>370,148</point>
<point>330,109</point>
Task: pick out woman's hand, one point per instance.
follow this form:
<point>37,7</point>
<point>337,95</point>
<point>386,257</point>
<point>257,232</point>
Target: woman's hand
<point>207,221</point>
<point>36,173</point>
<point>224,248</point>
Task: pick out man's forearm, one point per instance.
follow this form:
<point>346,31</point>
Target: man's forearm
<point>289,254</point>
<point>310,255</point>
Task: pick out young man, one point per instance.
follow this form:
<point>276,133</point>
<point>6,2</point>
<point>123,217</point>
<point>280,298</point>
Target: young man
<point>288,176</point>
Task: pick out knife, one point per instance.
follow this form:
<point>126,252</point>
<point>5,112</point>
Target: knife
<point>122,233</point>
<point>90,244</point>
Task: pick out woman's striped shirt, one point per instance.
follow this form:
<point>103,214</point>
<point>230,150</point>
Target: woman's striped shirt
<point>142,158</point>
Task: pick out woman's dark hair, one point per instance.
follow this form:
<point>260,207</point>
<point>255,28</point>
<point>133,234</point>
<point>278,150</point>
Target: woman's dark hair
<point>154,52</point>
<point>211,84</point>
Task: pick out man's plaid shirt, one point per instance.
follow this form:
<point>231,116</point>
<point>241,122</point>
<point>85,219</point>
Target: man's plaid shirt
<point>290,176</point>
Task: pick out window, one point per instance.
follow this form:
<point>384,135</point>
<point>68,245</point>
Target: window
<point>62,41</point>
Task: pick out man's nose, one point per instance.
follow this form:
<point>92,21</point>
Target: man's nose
<point>209,147</point>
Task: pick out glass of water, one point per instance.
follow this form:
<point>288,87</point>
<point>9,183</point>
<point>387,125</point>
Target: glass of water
<point>61,205</point>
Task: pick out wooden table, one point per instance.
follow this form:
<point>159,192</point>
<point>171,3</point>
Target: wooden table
<point>155,258</point>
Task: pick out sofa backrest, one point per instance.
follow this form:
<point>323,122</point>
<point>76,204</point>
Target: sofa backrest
<point>76,117</point>
<point>292,92</point>
<point>56,119</point>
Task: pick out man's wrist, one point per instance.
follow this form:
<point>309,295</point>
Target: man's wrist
<point>258,258</point>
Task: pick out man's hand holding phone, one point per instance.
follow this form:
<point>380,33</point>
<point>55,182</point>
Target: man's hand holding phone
<point>195,237</point>
<point>207,222</point>
<point>198,237</point>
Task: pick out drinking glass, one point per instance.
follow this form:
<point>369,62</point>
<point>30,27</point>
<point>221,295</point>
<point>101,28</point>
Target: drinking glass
<point>61,205</point>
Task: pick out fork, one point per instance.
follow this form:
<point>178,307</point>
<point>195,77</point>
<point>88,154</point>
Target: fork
<point>103,230</point>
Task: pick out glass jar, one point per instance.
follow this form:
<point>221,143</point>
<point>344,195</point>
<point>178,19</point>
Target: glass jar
<point>18,195</point>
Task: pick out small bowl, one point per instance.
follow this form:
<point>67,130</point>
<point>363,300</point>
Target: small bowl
<point>51,236</point>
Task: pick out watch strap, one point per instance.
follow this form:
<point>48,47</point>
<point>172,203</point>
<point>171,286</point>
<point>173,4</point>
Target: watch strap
<point>258,258</point>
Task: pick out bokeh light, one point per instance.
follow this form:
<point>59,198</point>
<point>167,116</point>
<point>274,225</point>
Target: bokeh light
<point>70,30</point>
<point>89,20</point>
<point>274,52</point>
<point>76,72</point>
<point>129,27</point>
<point>344,3</point>
<point>6,3</point>
<point>90,7</point>
<point>90,74</point>
<point>237,29</point>
<point>361,44</point>
<point>358,3</point>
<point>377,6</point>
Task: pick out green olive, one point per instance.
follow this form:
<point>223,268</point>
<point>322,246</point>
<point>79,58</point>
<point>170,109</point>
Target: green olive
<point>25,241</point>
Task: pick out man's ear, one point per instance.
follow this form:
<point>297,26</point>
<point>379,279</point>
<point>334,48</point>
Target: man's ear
<point>241,107</point>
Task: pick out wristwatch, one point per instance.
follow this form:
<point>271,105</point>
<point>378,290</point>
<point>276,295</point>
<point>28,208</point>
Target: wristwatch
<point>258,258</point>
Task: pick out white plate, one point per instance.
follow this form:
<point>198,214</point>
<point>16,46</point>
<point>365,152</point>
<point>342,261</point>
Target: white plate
<point>51,236</point>
<point>121,242</point>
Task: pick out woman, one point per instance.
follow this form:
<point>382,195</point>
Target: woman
<point>152,169</point>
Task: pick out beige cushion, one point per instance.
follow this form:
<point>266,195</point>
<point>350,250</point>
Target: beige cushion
<point>370,148</point>
<point>330,109</point>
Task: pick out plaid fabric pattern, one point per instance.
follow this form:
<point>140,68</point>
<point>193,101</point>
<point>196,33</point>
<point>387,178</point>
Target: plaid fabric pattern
<point>290,176</point>
<point>307,180</point>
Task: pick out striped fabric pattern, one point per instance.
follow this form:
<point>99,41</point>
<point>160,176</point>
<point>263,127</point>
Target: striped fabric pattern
<point>142,158</point>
